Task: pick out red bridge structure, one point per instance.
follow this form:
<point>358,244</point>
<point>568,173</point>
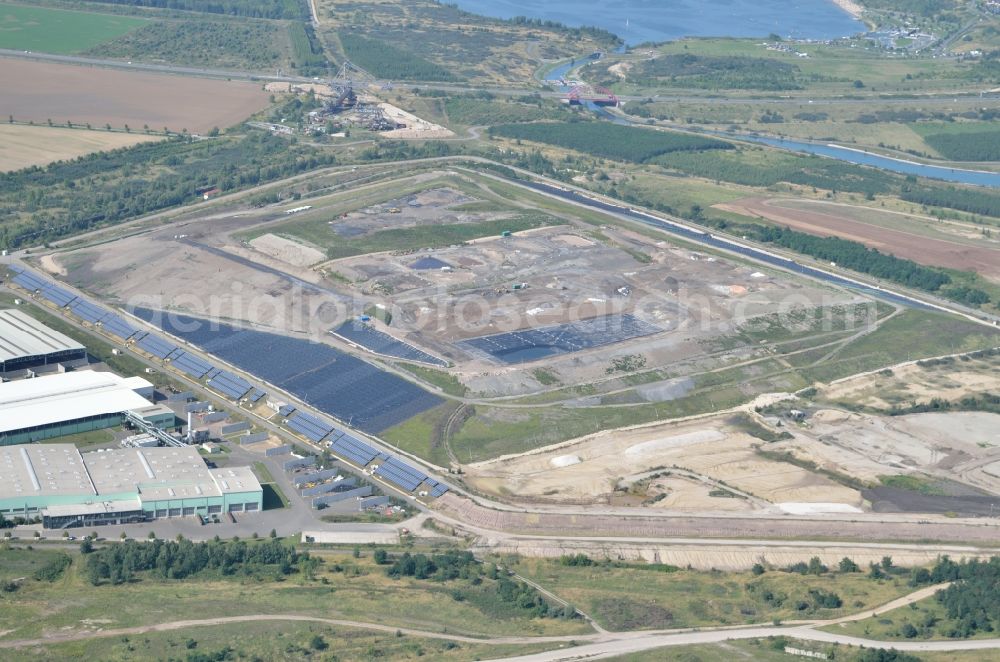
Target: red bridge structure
<point>599,96</point>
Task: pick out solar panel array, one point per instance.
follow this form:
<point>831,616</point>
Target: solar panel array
<point>334,382</point>
<point>58,295</point>
<point>378,342</point>
<point>353,449</point>
<point>257,395</point>
<point>87,311</point>
<point>233,386</point>
<point>400,474</point>
<point>286,410</point>
<point>191,364</point>
<point>47,290</point>
<point>310,427</point>
<point>156,346</point>
<point>116,326</point>
<point>437,489</point>
<point>533,344</point>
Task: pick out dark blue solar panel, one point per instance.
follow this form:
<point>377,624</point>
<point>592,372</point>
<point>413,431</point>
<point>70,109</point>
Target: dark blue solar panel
<point>378,342</point>
<point>334,382</point>
<point>354,450</point>
<point>87,311</point>
<point>232,385</point>
<point>397,475</point>
<point>313,428</point>
<point>192,365</point>
<point>30,281</point>
<point>213,372</point>
<point>115,325</point>
<point>310,426</point>
<point>24,281</point>
<point>285,410</point>
<point>532,344</point>
<point>438,490</point>
<point>57,295</point>
<point>156,346</point>
<point>257,395</point>
<point>404,469</point>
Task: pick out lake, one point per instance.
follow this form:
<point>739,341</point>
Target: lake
<point>638,21</point>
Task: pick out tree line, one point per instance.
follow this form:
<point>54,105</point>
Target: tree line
<point>963,199</point>
<point>288,9</point>
<point>858,257</point>
<point>67,197</point>
<point>119,563</point>
<point>500,591</point>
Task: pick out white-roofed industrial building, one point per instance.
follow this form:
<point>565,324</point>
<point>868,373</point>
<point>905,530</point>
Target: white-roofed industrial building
<point>27,344</point>
<point>67,488</point>
<point>72,402</point>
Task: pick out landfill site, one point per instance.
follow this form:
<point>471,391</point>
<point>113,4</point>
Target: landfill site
<point>579,298</point>
<point>488,306</point>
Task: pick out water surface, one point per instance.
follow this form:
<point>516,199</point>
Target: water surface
<point>638,21</point>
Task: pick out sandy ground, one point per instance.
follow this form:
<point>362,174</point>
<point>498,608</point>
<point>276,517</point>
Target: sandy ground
<point>851,7</point>
<point>287,250</point>
<point>64,92</point>
<point>959,446</point>
<point>22,146</point>
<point>197,274</point>
<point>912,382</point>
<point>925,250</point>
<point>709,448</point>
<point>321,89</point>
<point>415,127</point>
<point>714,556</point>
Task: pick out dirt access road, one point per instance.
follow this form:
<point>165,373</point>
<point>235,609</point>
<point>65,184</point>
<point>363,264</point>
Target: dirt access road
<point>599,645</point>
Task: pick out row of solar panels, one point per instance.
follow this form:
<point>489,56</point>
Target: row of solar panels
<point>223,381</point>
<point>229,384</point>
<point>390,468</point>
<point>191,364</point>
<point>83,309</point>
<point>45,289</point>
<point>400,474</point>
<point>310,427</point>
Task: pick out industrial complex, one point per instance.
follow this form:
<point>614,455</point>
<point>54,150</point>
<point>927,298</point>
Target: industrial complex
<point>49,391</point>
<point>72,402</point>
<point>66,488</point>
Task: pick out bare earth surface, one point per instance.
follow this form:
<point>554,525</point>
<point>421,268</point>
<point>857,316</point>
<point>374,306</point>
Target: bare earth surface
<point>39,91</point>
<point>917,247</point>
<point>23,146</point>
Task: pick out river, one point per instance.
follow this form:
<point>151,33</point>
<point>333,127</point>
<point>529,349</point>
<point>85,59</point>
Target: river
<point>638,21</point>
<point>904,167</point>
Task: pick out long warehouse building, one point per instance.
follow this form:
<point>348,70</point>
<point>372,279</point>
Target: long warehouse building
<point>66,488</point>
<point>73,402</point>
<point>26,343</point>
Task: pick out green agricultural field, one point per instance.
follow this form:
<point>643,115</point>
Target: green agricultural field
<point>58,31</point>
